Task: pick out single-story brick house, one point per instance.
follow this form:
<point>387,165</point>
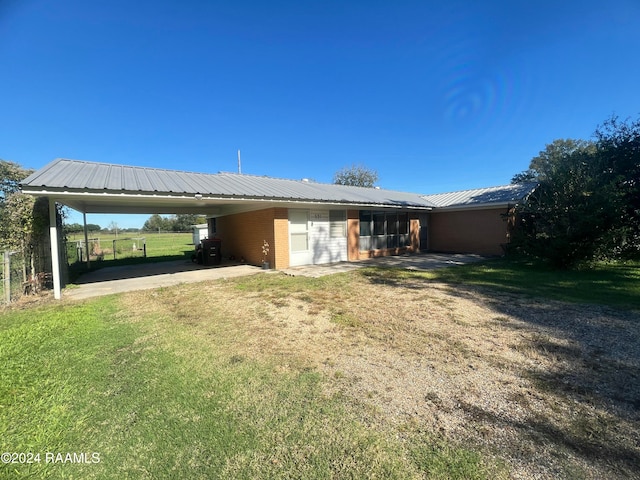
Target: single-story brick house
<point>303,222</point>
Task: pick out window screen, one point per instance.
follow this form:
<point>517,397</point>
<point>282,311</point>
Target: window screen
<point>338,223</point>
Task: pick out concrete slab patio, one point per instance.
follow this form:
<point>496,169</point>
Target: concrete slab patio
<point>109,280</point>
<point>423,261</point>
<point>112,280</point>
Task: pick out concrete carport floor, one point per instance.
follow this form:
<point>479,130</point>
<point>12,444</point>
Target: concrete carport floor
<point>112,280</point>
<point>109,280</point>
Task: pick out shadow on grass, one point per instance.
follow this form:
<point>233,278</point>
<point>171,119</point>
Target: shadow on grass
<point>585,325</point>
<point>579,438</point>
<point>614,285</point>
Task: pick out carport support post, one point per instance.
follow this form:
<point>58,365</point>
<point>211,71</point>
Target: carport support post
<point>55,256</point>
<point>86,241</point>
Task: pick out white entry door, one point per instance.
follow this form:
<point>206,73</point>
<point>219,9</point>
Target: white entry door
<point>328,236</point>
<point>299,246</point>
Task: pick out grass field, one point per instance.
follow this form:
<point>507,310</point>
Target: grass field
<point>153,400</point>
<point>615,284</point>
<point>168,244</point>
<point>169,383</point>
<point>160,247</point>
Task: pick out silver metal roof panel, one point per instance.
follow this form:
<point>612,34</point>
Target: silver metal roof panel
<point>63,175</point>
<point>92,177</point>
<point>501,195</point>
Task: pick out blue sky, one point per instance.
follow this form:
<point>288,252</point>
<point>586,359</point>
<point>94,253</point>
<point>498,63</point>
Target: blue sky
<point>435,96</point>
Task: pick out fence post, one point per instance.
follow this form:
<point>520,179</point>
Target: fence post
<point>7,276</point>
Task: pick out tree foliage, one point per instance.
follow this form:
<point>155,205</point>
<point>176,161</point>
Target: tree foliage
<point>183,222</point>
<point>356,176</point>
<point>16,209</point>
<point>77,228</point>
<point>586,206</point>
<point>156,223</point>
<point>11,174</point>
<point>174,223</point>
<point>23,219</point>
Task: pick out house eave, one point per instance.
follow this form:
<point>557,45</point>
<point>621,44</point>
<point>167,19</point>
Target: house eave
<point>106,201</point>
<point>484,206</point>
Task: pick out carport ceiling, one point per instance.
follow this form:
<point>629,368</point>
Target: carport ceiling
<point>92,187</point>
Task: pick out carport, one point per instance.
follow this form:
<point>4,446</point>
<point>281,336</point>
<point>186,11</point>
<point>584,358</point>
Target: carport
<point>255,209</point>
<point>89,187</point>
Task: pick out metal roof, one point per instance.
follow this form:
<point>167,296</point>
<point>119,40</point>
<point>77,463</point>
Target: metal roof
<point>497,196</point>
<point>63,176</point>
<point>94,187</point>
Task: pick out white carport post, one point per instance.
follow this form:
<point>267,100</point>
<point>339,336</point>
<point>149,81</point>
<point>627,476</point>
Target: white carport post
<point>55,257</point>
<point>86,240</point>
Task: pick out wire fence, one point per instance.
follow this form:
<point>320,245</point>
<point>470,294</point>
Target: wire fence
<point>129,247</point>
<point>97,249</point>
<point>15,282</point>
<point>31,274</point>
<point>77,250</point>
<point>26,273</point>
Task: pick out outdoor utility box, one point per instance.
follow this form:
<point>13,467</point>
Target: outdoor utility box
<point>199,232</point>
<point>211,251</point>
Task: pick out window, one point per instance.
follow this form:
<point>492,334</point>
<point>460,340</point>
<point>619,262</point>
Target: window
<point>365,223</point>
<point>392,224</point>
<point>378,223</point>
<point>337,223</point>
<point>379,230</point>
<point>299,230</point>
<point>403,223</point>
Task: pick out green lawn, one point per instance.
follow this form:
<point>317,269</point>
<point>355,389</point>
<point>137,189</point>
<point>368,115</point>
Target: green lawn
<point>160,247</point>
<point>613,284</point>
<point>154,395</point>
<point>146,398</point>
<point>169,244</point>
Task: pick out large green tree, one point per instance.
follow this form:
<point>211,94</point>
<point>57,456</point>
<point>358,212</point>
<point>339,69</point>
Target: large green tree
<point>356,176</point>
<point>183,222</point>
<point>23,219</point>
<point>175,223</point>
<point>618,144</point>
<point>156,223</point>
<point>11,174</point>
<point>586,204</point>
<point>16,219</point>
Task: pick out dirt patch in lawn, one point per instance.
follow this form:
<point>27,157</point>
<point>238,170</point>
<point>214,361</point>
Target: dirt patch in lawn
<point>550,389</point>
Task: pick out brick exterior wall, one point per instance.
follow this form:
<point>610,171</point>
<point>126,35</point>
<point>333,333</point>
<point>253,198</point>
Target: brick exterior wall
<point>243,235</point>
<point>353,235</point>
<point>483,232</point>
<point>281,238</point>
<point>472,231</point>
<point>414,233</point>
